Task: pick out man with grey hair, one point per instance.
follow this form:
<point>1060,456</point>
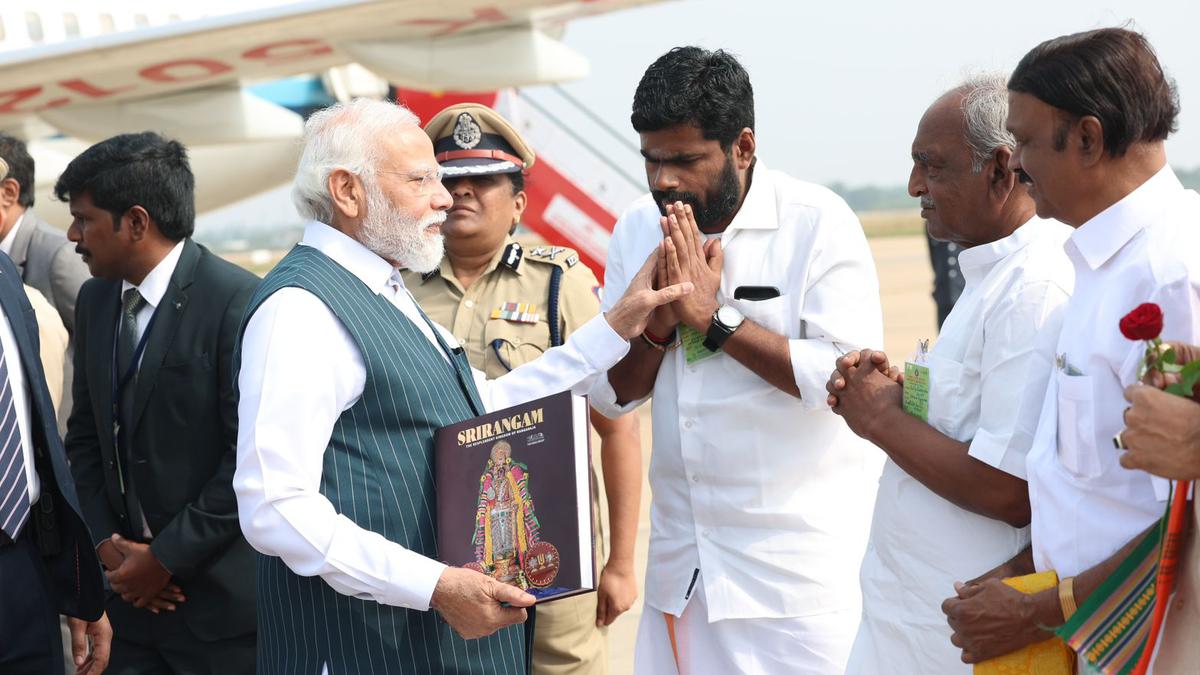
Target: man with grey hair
<point>344,381</point>
<point>953,501</point>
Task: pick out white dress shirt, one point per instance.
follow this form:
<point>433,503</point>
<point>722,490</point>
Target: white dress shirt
<point>20,397</point>
<point>301,369</point>
<point>1141,249</point>
<point>6,243</point>
<point>768,494</point>
<point>985,355</point>
<point>152,289</point>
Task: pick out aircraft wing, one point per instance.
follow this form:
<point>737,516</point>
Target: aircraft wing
<point>184,78</point>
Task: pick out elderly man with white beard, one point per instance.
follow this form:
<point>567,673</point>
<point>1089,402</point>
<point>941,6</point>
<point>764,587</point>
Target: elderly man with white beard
<point>344,381</point>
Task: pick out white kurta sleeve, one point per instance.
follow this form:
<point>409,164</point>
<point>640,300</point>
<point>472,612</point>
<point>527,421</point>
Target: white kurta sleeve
<point>578,365</point>
<point>616,280</point>
<point>300,370</point>
<point>841,309</point>
<point>1015,361</point>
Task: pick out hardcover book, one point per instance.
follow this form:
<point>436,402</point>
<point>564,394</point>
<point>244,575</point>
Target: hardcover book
<point>514,496</point>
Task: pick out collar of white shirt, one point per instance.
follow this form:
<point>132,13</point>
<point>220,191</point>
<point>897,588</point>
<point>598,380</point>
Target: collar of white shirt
<point>7,243</point>
<point>975,262</point>
<point>758,210</point>
<point>1100,238</point>
<point>154,286</point>
<point>359,260</point>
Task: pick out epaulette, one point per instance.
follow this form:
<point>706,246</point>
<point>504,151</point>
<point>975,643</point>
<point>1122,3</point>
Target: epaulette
<point>562,256</point>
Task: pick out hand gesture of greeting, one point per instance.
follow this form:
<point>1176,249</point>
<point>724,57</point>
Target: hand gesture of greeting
<point>690,258</point>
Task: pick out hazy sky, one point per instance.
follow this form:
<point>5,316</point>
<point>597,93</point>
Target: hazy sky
<point>840,86</point>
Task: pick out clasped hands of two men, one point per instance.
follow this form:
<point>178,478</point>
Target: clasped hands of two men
<point>677,284</point>
<point>987,617</point>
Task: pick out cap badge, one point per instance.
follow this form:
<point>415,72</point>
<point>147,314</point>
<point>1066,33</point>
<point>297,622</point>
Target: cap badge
<point>467,133</point>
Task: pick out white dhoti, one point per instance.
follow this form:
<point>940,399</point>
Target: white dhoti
<point>808,645</point>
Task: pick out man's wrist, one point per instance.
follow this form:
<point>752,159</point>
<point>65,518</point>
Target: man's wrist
<point>621,564</point>
<point>1045,610</point>
<point>879,426</point>
<point>701,322</point>
<point>660,329</point>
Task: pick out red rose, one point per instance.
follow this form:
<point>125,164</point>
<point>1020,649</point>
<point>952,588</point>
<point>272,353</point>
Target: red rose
<point>1145,322</point>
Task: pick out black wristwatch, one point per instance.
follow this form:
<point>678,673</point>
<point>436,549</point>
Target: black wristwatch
<point>724,322</point>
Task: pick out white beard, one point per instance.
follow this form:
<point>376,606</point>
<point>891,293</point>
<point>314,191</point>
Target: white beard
<point>395,235</point>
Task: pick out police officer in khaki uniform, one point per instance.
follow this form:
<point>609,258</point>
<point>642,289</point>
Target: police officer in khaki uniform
<point>507,304</point>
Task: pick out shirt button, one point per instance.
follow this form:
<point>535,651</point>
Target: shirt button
<point>469,304</point>
<point>705,534</point>
<point>695,478</point>
<point>687,424</point>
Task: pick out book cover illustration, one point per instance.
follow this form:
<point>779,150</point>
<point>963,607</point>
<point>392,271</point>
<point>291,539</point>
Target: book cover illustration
<point>514,498</point>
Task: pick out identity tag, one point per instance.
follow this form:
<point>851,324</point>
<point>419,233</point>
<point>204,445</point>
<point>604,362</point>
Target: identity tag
<point>692,340</point>
<point>916,384</point>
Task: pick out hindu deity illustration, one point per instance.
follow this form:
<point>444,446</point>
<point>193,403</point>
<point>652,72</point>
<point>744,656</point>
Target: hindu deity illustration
<point>507,538</point>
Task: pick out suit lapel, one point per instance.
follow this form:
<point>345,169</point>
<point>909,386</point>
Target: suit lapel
<point>17,318</point>
<point>20,244</point>
<point>167,317</point>
<point>101,336</point>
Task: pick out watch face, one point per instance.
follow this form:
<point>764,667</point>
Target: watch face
<point>729,316</point>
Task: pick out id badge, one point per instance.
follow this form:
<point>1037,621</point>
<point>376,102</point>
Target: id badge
<point>692,341</point>
<point>916,384</point>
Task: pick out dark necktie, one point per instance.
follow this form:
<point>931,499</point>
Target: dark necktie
<point>131,303</point>
<point>14,486</point>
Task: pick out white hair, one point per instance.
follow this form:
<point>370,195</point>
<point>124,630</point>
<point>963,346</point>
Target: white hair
<point>343,136</point>
<point>985,109</point>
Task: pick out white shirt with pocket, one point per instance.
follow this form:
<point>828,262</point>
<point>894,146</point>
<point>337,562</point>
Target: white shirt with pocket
<point>768,494</point>
<point>1144,248</point>
<point>985,356</point>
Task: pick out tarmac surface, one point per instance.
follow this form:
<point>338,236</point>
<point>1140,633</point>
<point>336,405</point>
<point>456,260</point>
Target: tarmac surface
<point>905,281</point>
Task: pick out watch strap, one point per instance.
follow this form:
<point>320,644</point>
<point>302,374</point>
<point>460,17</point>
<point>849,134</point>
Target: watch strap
<point>717,334</point>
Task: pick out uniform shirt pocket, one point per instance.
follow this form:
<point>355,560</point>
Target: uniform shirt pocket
<point>1077,450</point>
<point>509,344</point>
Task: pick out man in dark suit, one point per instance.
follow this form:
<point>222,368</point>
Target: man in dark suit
<point>153,433</point>
<point>41,252</point>
<point>47,564</point>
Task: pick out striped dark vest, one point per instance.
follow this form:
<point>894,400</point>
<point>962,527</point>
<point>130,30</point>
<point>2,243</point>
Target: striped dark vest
<point>378,472</point>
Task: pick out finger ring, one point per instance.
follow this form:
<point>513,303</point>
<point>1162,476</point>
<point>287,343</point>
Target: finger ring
<point>1117,442</point>
<point>1125,413</point>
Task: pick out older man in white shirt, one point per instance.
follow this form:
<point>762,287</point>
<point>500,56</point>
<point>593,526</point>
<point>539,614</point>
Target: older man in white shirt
<point>344,381</point>
<point>1093,157</point>
<point>761,496</point>
<point>953,502</point>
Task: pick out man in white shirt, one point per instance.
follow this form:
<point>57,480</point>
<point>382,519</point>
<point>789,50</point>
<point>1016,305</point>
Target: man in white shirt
<point>953,502</point>
<point>1090,113</point>
<point>344,381</point>
<point>761,495</point>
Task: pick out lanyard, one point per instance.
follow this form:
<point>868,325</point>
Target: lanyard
<point>119,384</point>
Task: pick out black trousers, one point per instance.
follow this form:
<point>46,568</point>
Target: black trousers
<point>30,641</point>
<point>162,644</point>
